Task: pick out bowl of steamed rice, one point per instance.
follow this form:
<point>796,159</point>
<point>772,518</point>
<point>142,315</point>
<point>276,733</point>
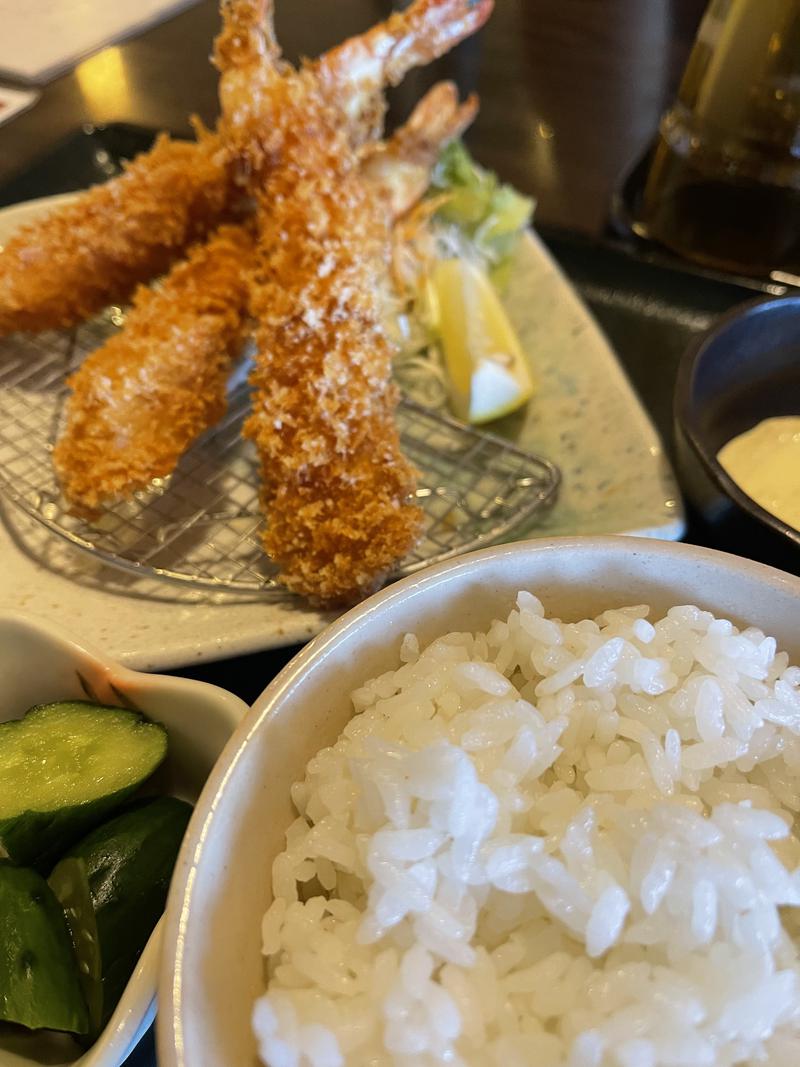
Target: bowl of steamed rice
<point>536,806</point>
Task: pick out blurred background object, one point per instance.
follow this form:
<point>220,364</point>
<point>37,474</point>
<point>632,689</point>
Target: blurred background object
<point>571,90</point>
<point>42,38</point>
<point>724,184</point>
<point>15,101</point>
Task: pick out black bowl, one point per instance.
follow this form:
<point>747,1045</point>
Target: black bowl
<point>745,369</point>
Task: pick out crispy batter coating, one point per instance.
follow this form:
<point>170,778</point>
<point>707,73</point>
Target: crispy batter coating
<point>335,485</point>
<point>78,259</point>
<point>141,400</point>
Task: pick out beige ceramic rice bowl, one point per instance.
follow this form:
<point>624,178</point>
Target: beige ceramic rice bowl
<point>213,969</point>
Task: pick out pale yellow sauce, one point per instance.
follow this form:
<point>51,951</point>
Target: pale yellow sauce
<point>765,464</point>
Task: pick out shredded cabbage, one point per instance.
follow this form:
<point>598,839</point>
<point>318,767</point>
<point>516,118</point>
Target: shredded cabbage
<point>479,219</point>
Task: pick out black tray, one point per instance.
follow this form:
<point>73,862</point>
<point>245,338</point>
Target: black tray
<point>650,305</point>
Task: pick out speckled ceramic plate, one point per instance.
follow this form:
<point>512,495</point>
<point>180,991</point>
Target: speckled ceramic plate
<point>585,417</point>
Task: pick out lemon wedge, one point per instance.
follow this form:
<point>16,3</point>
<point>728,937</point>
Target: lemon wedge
<point>488,372</point>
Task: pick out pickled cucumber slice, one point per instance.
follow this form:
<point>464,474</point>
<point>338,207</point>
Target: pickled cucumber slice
<point>39,985</point>
<point>63,768</point>
<point>113,887</point>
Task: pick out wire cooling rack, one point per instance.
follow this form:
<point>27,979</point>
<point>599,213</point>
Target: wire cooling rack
<point>203,524</point>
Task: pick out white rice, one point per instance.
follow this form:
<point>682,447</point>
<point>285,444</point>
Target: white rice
<point>556,845</point>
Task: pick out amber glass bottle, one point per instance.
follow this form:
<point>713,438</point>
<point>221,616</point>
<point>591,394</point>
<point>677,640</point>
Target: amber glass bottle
<point>724,186</point>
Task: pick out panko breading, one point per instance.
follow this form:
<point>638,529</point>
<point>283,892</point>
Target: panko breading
<point>140,401</point>
<point>80,258</point>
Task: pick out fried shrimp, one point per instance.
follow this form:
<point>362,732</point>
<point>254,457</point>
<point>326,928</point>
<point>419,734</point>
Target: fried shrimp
<point>93,252</point>
<point>337,491</point>
<point>336,487</point>
<point>139,401</point>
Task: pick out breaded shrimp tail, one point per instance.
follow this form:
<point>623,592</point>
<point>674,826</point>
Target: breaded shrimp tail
<point>400,169</point>
<point>353,75</point>
<point>143,398</point>
<point>94,252</point>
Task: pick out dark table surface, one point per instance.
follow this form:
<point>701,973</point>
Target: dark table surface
<point>571,93</point>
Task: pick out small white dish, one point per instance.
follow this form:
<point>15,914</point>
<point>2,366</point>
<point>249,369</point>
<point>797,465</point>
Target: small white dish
<point>212,969</point>
<point>39,664</point>
<point>585,417</point>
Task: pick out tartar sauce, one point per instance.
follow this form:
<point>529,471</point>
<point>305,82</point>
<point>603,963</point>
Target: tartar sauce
<point>765,463</point>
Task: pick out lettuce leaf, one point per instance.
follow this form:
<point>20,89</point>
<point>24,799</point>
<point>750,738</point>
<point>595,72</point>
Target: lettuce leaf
<point>492,215</point>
